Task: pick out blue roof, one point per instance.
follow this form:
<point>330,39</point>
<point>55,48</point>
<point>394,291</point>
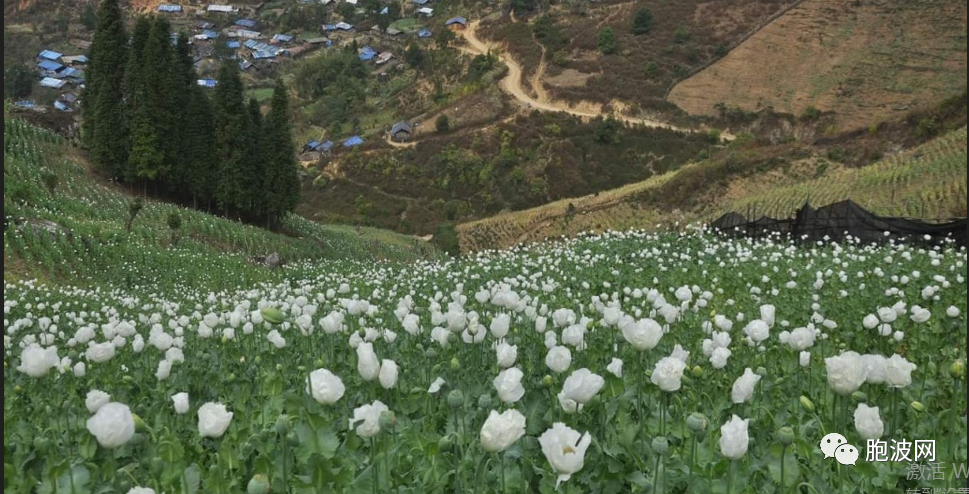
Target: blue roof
<point>210,34</point>
<point>353,141</point>
<point>245,65</point>
<point>50,55</point>
<point>385,11</point>
<point>421,2</point>
<point>456,20</point>
<point>69,72</point>
<point>25,104</point>
<point>246,23</point>
<point>208,82</point>
<point>233,44</point>
<point>167,7</point>
<point>367,53</point>
<point>60,105</point>
<point>52,83</point>
<point>312,144</point>
<point>326,145</point>
<point>49,65</point>
<point>283,38</point>
<point>424,33</point>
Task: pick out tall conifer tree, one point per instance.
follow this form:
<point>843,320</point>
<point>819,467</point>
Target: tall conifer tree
<point>282,170</point>
<point>103,128</point>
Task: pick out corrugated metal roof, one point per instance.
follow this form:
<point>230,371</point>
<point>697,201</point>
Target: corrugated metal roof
<point>456,20</point>
<point>343,26</point>
<point>167,7</point>
<point>246,65</point>
<point>69,72</point>
<point>353,141</point>
<point>385,11</point>
<point>421,2</point>
<point>25,104</point>
<point>233,44</point>
<point>50,55</point>
<point>367,53</point>
<point>246,23</point>
<point>60,105</point>
<point>326,145</point>
<point>210,34</point>
<point>426,11</point>
<point>283,38</point>
<point>208,82</point>
<point>401,126</point>
<point>221,8</point>
<point>424,33</point>
<point>49,65</point>
<point>52,83</point>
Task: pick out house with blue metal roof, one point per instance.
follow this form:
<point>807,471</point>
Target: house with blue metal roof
<point>25,104</point>
<point>235,45</point>
<point>367,53</point>
<point>326,145</point>
<point>353,142</point>
<point>457,22</point>
<point>249,23</point>
<point>208,83</point>
<point>282,38</point>
<point>424,33</point>
<point>49,55</point>
<point>169,8</point>
<point>52,83</point>
<point>207,34</point>
<point>49,66</point>
<point>62,106</point>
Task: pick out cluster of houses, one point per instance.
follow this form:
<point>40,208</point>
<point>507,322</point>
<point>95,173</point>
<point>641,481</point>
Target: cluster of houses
<point>61,73</point>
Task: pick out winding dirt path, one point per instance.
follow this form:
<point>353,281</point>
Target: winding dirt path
<point>512,84</point>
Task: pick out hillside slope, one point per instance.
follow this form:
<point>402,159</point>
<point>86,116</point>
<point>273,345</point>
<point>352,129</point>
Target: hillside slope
<point>864,61</point>
<point>928,182</point>
<point>62,223</point>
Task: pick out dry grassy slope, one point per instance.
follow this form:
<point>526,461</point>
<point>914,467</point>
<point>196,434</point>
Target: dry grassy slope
<point>929,182</point>
<point>864,60</point>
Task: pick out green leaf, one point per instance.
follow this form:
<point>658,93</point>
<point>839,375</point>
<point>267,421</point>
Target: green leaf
<point>321,441</point>
<point>191,479</point>
<point>639,479</point>
<point>792,470</point>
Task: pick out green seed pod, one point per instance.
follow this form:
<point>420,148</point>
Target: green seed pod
<point>272,315</point>
<point>807,403</point>
<point>430,353</point>
<point>318,363</point>
<point>455,364</point>
<point>484,401</point>
<point>761,371</point>
<point>258,484</point>
<point>157,466</point>
<point>292,439</point>
<point>388,420</point>
<point>547,381</point>
<point>859,397</point>
<point>918,406</point>
<point>785,435</point>
<point>661,446</point>
<point>697,422</point>
<point>958,370</point>
<point>283,425</point>
<point>697,371</point>
<point>445,443</point>
<point>455,399</point>
<point>139,423</point>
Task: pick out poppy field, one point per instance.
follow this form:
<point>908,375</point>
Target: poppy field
<point>622,362</point>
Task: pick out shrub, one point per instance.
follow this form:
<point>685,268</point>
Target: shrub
<point>651,69</point>
<point>442,124</point>
<point>607,43</point>
<point>643,21</point>
<point>810,114</point>
<point>446,239</point>
<point>681,35</point>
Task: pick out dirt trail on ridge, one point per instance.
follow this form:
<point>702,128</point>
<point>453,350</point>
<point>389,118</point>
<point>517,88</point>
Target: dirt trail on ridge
<point>512,84</point>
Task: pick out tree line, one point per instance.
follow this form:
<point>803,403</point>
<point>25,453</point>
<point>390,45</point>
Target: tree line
<point>148,123</point>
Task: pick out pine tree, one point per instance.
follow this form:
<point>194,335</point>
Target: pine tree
<point>179,148</point>
<point>200,147</point>
<point>255,161</point>
<point>103,128</point>
<point>229,119</point>
<point>282,170</point>
<point>157,77</point>
<point>136,57</point>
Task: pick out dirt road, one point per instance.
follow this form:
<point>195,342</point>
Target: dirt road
<point>512,84</point>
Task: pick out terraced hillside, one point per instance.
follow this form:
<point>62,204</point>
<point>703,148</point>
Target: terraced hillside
<point>864,61</point>
<point>927,182</point>
<point>60,222</point>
